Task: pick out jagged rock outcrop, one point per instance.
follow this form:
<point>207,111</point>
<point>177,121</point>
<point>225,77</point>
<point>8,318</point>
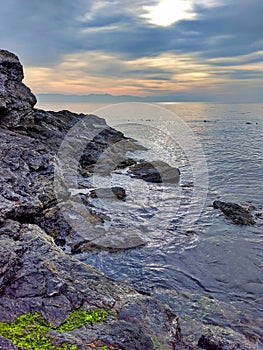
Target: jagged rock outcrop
<point>35,274</point>
<point>16,99</point>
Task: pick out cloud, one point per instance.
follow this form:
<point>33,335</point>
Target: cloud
<point>40,31</point>
<point>114,43</point>
<point>45,30</point>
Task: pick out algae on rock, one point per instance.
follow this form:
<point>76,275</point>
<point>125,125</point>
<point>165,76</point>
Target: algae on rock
<point>30,331</point>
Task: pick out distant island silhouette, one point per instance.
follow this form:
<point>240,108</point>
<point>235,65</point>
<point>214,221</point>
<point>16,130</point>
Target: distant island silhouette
<point>119,98</point>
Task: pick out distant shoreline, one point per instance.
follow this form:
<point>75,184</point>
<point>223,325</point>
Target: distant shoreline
<point>107,98</point>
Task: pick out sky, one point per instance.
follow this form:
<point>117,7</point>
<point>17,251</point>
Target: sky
<point>200,49</point>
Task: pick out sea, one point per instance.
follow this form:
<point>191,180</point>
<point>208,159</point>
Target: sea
<point>206,268</point>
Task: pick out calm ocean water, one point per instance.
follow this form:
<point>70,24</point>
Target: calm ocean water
<point>201,264</point>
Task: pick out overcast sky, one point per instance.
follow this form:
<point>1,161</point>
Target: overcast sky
<point>212,49</point>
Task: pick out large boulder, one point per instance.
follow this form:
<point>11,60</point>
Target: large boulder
<point>16,99</point>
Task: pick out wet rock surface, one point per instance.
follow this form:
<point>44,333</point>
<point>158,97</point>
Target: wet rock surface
<point>156,171</point>
<point>235,212</point>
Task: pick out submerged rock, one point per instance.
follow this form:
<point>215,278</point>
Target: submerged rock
<point>156,171</point>
<point>235,212</point>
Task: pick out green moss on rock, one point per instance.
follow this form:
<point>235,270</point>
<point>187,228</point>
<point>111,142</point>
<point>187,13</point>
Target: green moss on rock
<point>29,331</point>
<point>78,318</point>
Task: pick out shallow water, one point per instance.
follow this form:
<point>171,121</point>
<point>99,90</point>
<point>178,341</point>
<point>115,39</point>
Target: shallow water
<point>206,269</point>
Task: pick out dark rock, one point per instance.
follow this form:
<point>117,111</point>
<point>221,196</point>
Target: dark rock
<point>80,228</point>
<point>206,342</point>
<point>235,212</point>
<point>51,127</point>
<point>16,99</point>
<point>120,335</point>
<point>26,174</point>
<point>105,156</point>
<point>36,275</point>
<point>109,193</point>
<point>125,163</point>
<point>219,338</point>
<point>140,310</point>
<point>127,336</point>
<point>156,171</point>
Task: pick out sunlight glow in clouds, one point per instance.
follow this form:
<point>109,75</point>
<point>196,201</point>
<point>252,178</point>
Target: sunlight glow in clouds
<point>198,49</point>
<point>168,12</point>
<point>84,73</point>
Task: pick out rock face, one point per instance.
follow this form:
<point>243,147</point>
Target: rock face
<point>16,100</point>
<point>157,171</point>
<point>36,275</point>
<point>235,212</point>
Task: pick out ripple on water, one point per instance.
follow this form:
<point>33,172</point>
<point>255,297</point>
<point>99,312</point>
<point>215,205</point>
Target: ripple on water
<point>210,271</point>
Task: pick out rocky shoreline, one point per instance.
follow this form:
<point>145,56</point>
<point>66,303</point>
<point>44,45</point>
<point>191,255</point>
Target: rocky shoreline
<point>38,276</point>
<point>38,271</point>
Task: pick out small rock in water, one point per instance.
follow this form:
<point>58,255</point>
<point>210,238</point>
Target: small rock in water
<point>112,193</point>
<point>156,171</point>
<point>125,163</point>
<point>238,214</point>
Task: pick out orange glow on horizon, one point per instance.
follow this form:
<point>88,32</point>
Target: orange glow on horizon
<point>101,73</point>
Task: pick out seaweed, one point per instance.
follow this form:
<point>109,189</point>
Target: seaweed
<point>30,331</point>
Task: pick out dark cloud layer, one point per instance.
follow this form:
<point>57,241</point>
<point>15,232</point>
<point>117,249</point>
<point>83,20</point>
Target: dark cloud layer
<point>42,32</point>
